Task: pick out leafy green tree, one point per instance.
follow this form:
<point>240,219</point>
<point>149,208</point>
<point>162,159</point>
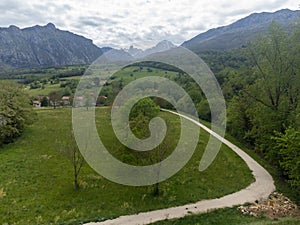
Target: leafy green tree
<point>44,102</point>
<point>238,121</point>
<point>275,70</point>
<point>288,146</point>
<point>139,126</point>
<point>204,110</point>
<point>145,107</point>
<point>15,111</point>
<point>140,116</point>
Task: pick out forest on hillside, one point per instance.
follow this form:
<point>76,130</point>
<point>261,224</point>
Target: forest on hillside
<point>261,84</point>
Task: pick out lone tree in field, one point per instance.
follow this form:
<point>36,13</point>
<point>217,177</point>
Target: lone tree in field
<point>158,156</point>
<point>44,102</point>
<point>140,116</point>
<point>70,150</point>
<point>145,107</point>
<point>54,98</point>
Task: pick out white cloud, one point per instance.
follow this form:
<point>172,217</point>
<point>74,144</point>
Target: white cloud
<point>139,22</point>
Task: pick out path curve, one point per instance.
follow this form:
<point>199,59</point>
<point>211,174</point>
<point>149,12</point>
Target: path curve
<point>260,189</point>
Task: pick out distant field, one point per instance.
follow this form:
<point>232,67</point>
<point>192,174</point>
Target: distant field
<point>72,78</point>
<point>36,185</point>
<point>41,81</point>
<point>121,78</point>
<point>45,91</point>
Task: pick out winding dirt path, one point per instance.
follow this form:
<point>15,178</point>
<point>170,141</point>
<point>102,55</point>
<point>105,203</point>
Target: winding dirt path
<point>261,188</point>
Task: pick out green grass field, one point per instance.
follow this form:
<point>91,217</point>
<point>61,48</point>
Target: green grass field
<point>44,92</point>
<point>36,181</point>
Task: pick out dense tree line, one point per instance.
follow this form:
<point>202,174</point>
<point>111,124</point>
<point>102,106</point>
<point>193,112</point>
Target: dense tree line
<point>263,100</point>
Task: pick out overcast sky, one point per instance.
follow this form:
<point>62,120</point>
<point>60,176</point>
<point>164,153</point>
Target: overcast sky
<point>142,23</point>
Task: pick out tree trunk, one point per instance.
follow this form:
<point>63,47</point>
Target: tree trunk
<point>156,189</point>
<point>76,184</point>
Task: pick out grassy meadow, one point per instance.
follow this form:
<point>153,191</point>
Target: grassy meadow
<point>36,181</point>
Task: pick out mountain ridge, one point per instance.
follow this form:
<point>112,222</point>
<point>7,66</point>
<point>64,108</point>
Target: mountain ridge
<point>238,33</point>
<point>40,46</point>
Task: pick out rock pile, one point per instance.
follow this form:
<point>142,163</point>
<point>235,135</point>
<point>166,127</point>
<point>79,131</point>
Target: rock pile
<point>277,205</point>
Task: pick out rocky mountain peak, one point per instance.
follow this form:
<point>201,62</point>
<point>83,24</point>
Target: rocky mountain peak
<point>13,28</point>
<point>165,44</point>
<point>50,26</point>
<point>160,47</point>
<point>38,47</point>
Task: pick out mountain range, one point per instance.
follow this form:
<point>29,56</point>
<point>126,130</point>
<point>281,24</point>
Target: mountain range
<point>160,47</point>
<point>42,46</point>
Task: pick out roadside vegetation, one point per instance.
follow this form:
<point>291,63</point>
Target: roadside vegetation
<point>227,216</point>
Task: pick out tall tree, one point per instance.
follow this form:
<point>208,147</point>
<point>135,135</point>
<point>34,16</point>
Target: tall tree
<point>70,150</point>
<point>275,70</point>
<point>140,116</point>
